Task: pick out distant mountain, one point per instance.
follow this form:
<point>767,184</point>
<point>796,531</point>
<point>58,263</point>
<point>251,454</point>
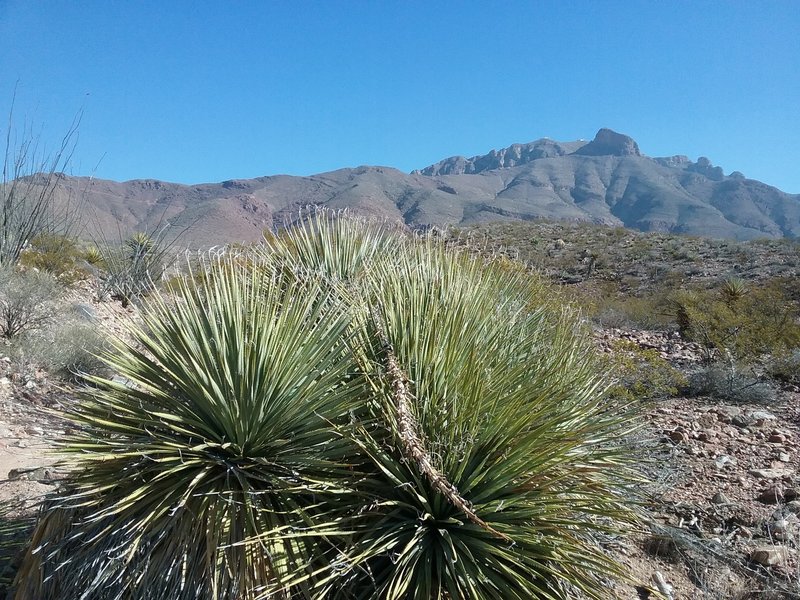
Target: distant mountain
<point>607,180</point>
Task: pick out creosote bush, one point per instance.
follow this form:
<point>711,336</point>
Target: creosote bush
<point>727,381</point>
<point>745,322</point>
<point>342,412</point>
<point>57,255</point>
<point>26,301</point>
<point>642,374</point>
<point>786,368</point>
<point>68,348</point>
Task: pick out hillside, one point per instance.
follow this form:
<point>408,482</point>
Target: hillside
<point>605,181</point>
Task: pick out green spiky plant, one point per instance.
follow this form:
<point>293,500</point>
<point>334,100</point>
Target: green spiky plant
<point>343,413</point>
<point>217,434</point>
<point>493,467</point>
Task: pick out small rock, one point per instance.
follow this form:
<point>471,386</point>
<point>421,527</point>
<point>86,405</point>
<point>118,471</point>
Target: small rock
<point>4,381</point>
<point>726,414</point>
<point>731,432</point>
<point>784,528</point>
<point>741,421</point>
<point>769,473</point>
<point>784,457</point>
<point>724,460</point>
<point>5,359</point>
<point>720,498</point>
<point>41,474</point>
<point>85,311</point>
<point>29,385</point>
<point>762,415</point>
<point>707,435</point>
<point>706,420</point>
<point>678,436</point>
<point>793,507</point>
<point>776,438</point>
<point>769,555</point>
<point>33,430</point>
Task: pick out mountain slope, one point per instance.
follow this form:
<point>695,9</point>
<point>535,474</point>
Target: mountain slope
<point>605,181</point>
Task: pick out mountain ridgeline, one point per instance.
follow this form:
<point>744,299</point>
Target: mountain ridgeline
<point>605,181</point>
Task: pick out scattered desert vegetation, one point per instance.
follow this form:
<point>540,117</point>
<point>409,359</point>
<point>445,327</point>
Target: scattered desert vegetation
<point>352,410</point>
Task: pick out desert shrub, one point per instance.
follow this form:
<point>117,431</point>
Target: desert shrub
<point>69,349</point>
<point>786,368</point>
<point>93,256</point>
<point>747,322</point>
<point>345,413</point>
<point>26,301</point>
<point>646,312</point>
<point>727,381</point>
<point>131,269</point>
<point>55,254</point>
<point>642,373</point>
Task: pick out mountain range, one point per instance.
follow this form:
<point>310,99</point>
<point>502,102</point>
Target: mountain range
<point>606,180</point>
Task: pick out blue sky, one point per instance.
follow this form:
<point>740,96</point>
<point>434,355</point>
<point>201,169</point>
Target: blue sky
<point>206,91</point>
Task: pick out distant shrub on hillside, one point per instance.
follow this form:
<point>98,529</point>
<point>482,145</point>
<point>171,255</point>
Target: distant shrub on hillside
<point>642,373</point>
<point>131,269</point>
<point>786,368</point>
<point>69,349</point>
<point>26,301</point>
<point>745,320</point>
<point>55,254</point>
<point>724,381</point>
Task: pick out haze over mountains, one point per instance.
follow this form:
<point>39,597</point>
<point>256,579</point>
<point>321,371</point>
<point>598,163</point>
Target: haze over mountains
<point>607,180</point>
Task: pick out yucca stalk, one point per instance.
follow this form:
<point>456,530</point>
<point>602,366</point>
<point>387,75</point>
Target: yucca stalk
<point>216,438</point>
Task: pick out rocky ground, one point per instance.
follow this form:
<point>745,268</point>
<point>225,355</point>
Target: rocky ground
<point>722,498</point>
<point>721,495</point>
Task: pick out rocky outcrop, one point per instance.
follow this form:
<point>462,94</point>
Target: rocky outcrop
<point>610,143</point>
<point>513,156</point>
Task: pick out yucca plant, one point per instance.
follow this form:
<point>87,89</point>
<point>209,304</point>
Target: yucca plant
<point>131,268</point>
<point>344,412</point>
<point>494,462</point>
<point>495,471</point>
<point>217,437</point>
<point>733,289</point>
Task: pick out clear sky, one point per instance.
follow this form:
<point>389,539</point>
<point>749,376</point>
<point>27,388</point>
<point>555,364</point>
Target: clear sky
<point>202,91</point>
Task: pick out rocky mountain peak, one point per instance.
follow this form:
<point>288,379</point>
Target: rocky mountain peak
<point>513,156</point>
<point>610,143</point>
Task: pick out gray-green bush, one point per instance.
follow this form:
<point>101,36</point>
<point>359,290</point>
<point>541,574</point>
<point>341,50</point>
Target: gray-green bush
<point>26,301</point>
<point>726,381</point>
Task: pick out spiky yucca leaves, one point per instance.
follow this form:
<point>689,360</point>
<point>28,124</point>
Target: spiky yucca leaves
<point>497,482</point>
<point>345,414</point>
<point>493,463</point>
<point>338,245</point>
<point>217,438</point>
